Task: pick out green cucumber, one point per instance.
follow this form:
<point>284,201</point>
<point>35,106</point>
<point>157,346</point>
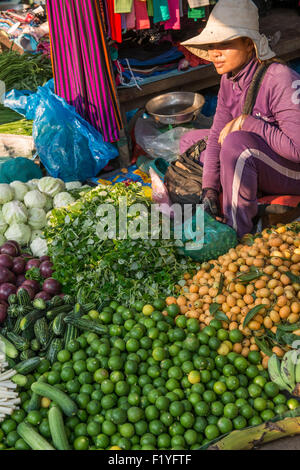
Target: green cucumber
<point>57,429</point>
<point>56,345</point>
<point>23,297</point>
<point>86,325</point>
<point>41,331</point>
<point>60,398</point>
<point>35,400</point>
<point>9,348</point>
<point>70,334</point>
<point>33,438</point>
<point>28,354</point>
<point>28,366</point>
<point>31,318</point>
<point>58,324</point>
<point>52,314</point>
<point>20,343</point>
<point>39,304</point>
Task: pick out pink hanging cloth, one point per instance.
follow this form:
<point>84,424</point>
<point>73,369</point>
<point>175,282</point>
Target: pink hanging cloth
<point>174,9</point>
<point>130,18</point>
<point>141,15</point>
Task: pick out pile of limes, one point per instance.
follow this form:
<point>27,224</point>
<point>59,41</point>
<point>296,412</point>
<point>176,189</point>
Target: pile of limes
<point>156,382</point>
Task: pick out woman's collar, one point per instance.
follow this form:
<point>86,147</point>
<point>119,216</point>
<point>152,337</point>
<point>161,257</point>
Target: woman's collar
<point>246,74</point>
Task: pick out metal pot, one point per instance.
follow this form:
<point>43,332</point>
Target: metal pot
<point>175,108</point>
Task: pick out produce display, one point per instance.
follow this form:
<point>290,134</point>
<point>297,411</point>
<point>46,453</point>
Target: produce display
<point>24,208</point>
<point>121,344</point>
<point>24,72</point>
<point>146,381</point>
<point>125,269</point>
<point>21,127</point>
<point>254,288</point>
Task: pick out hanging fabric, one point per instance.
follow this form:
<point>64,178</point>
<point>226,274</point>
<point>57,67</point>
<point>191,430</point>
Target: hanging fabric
<point>161,11</point>
<point>123,6</point>
<point>150,7</point>
<point>115,21</point>
<point>196,13</point>
<point>198,3</point>
<point>141,15</point>
<point>82,70</point>
<point>130,18</point>
<point>174,21</point>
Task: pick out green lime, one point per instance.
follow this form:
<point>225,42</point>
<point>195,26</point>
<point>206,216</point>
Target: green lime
<point>211,432</point>
<point>280,399</point>
<point>236,336</point>
<point>228,397</point>
<point>217,408</point>
<point>224,425</point>
<point>241,363</point>
<point>231,411</point>
<point>254,357</point>
<point>239,422</point>
<point>247,411</point>
<point>220,388</point>
<point>259,404</point>
<point>292,403</point>
<point>255,421</point>
<point>81,443</point>
<point>271,389</point>
<point>254,390</point>
<point>202,409</point>
<point>232,383</point>
<point>267,415</point>
<point>222,334</point>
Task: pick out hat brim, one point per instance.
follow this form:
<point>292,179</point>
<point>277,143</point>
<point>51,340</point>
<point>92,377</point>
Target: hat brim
<point>198,45</point>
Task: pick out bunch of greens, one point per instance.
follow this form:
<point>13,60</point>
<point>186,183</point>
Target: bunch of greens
<point>22,127</point>
<point>123,269</point>
<point>24,72</point>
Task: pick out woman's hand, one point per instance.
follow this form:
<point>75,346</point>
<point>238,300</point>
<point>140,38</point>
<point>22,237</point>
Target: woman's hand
<point>233,126</point>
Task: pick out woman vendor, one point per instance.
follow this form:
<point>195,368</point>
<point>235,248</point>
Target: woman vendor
<point>246,154</point>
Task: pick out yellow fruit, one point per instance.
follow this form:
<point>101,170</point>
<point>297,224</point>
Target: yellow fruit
<point>115,448</point>
<point>281,229</point>
<point>194,377</point>
<point>297,251</point>
<point>223,350</point>
<point>148,310</point>
<point>45,402</point>
<point>228,344</point>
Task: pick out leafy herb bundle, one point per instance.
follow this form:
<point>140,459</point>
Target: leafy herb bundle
<point>122,269</point>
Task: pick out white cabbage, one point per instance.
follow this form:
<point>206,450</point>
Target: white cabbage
<point>21,233</point>
<point>33,184</point>
<point>49,203</point>
<point>62,200</point>
<point>73,185</point>
<point>2,239</point>
<point>20,190</point>
<point>36,234</point>
<point>35,199</point>
<point>15,212</point>
<point>39,247</point>
<point>37,218</point>
<point>51,186</point>
<point>6,193</point>
<point>3,224</point>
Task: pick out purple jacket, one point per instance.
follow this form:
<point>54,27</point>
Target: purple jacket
<point>275,117</point>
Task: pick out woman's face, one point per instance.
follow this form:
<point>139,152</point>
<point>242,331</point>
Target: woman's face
<point>231,56</point>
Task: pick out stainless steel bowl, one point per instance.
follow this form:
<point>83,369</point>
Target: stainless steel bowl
<point>175,108</point>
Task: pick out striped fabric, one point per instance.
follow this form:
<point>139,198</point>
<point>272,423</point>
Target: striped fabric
<point>82,69</point>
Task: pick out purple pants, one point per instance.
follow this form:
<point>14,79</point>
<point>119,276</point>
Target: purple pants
<point>248,166</point>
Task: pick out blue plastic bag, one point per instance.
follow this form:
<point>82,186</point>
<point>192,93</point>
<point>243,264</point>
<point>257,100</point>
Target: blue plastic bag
<point>68,146</point>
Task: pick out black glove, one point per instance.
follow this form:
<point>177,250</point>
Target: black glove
<point>211,202</point>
